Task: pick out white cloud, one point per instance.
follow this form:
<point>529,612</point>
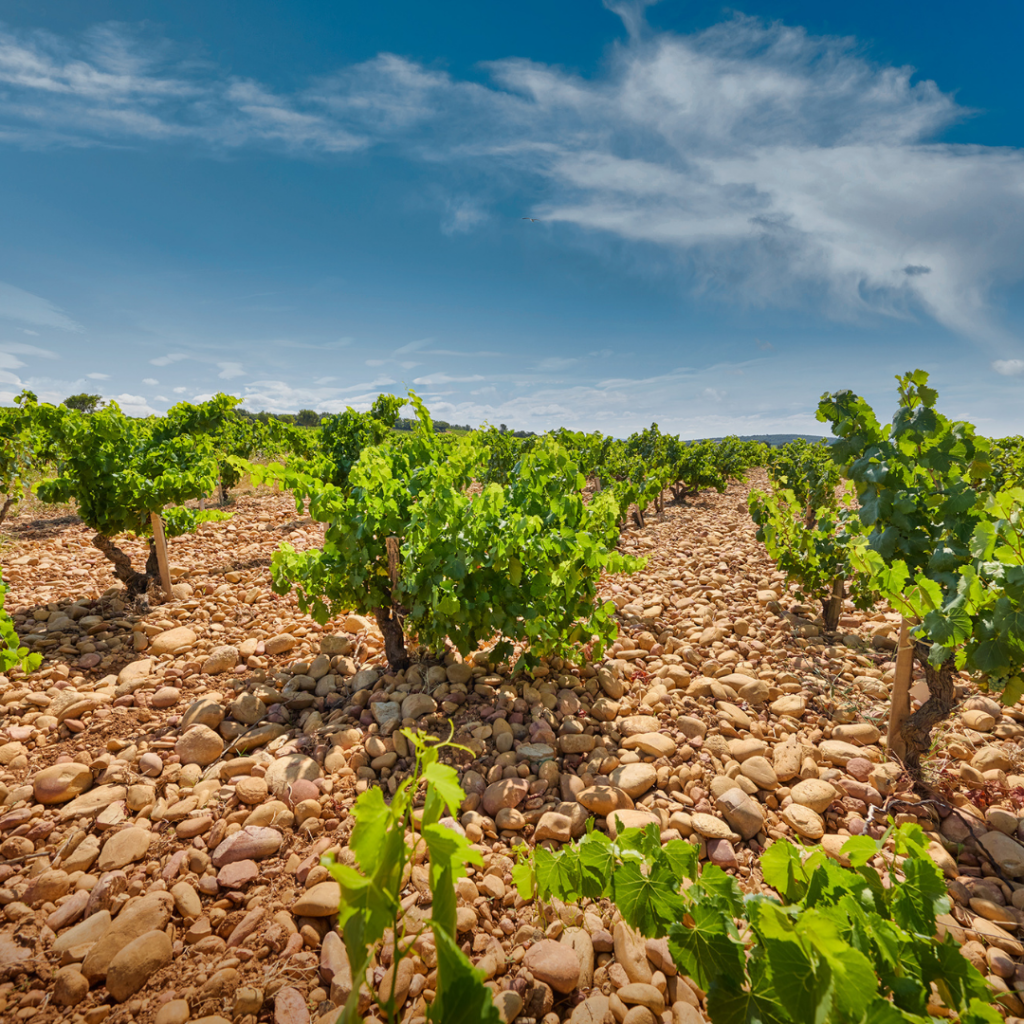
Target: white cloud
<point>462,215</point>
<point>760,164</point>
<point>228,371</point>
<point>444,378</point>
<point>167,360</point>
<point>18,304</point>
<point>180,391</point>
<point>22,349</point>
<point>282,396</point>
<point>1009,367</point>
<point>151,381</point>
<point>134,405</point>
<point>25,330</point>
<point>98,376</point>
<point>555,363</point>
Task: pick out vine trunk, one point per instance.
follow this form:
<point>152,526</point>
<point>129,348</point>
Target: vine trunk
<point>917,729</point>
<point>136,582</point>
<point>394,638</point>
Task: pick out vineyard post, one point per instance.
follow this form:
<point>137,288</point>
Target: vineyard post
<point>899,705</point>
<point>160,543</point>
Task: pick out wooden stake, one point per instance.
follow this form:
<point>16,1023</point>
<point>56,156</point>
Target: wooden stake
<point>161,552</point>
<point>899,705</point>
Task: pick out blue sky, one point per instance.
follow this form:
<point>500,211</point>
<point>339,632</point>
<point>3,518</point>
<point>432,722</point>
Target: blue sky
<point>733,210</point>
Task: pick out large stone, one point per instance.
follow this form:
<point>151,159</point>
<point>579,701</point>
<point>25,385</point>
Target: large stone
<point>638,994</point>
<point>247,708</point>
<point>504,793</point>
<point>635,779</point>
<point>124,848</point>
<point>286,770</point>
<point>279,644</point>
<point>290,1004</point>
<point>760,771</point>
<point>47,887</point>
<point>417,705</point>
<point>744,749</point>
<point>321,900</point>
<point>132,967</point>
<point>691,728</point>
<point>580,942</point>
<point>553,963</point>
<point>593,1010</point>
<point>657,744</point>
<point>635,725</point>
<point>200,745</point>
<point>553,825</point>
<point>181,638</point>
<point>804,821</point>
<point>576,743</point>
<point>711,827</point>
<point>205,711</point>
<point>990,758</point>
<point>791,705</point>
<point>631,953</point>
<point>858,733</point>
<point>786,758</point>
<point>85,933</point>
<point>743,814</point>
<point>148,914</point>
<point>814,793</point>
<point>839,752</point>
<point>73,704</point>
<point>186,901</point>
<point>258,736</point>
<point>251,843</point>
<point>602,800</point>
<point>334,645</point>
<point>238,874</point>
<point>69,987</point>
<point>1006,852</point>
<point>89,804</point>
<point>61,782</point>
<point>387,714</point>
<point>221,659</point>
<point>133,676</point>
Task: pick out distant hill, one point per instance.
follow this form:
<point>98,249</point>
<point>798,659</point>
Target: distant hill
<point>778,440</point>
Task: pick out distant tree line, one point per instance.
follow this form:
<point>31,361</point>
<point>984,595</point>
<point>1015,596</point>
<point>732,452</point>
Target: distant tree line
<point>303,418</point>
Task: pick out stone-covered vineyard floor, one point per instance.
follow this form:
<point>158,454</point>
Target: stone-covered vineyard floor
<point>170,777</point>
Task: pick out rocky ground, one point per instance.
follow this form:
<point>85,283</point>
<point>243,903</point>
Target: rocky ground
<point>170,777</point>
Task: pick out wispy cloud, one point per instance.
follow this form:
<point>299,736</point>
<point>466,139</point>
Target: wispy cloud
<point>228,371</point>
<point>134,405</point>
<point>445,378</point>
<point>555,363</point>
<point>99,376</point>
<point>1009,367</point>
<point>759,163</point>
<point>18,304</point>
<point>169,359</point>
<point>21,349</point>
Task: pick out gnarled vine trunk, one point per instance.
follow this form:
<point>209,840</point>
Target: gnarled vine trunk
<point>136,582</point>
<point>832,608</point>
<point>917,729</point>
<point>394,638</point>
<point>6,508</point>
<point>389,619</point>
